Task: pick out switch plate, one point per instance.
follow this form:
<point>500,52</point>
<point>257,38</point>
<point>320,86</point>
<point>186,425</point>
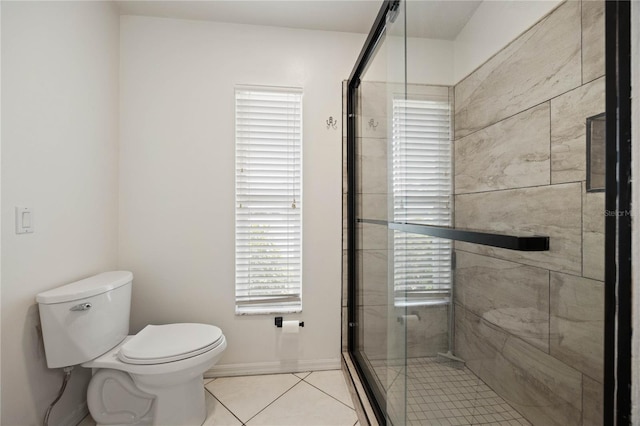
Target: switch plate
<point>24,220</point>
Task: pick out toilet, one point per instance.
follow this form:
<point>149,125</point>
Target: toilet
<point>152,378</point>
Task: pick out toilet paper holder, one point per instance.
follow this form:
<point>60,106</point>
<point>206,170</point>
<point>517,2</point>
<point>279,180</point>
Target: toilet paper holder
<point>278,322</point>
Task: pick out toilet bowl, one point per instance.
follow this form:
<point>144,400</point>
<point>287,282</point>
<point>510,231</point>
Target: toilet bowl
<point>152,378</point>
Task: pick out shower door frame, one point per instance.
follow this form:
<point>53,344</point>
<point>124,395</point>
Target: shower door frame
<point>366,54</point>
<point>618,263</point>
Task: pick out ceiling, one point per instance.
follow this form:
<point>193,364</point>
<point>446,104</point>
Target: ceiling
<point>426,18</point>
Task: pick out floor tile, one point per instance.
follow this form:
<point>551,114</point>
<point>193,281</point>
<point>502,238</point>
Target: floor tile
<point>245,396</point>
<point>305,405</point>
<point>332,382</point>
<point>217,414</point>
<point>303,374</point>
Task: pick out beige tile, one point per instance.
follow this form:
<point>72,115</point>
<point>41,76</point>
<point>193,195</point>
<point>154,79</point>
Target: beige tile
<point>540,64</point>
<point>331,382</point>
<point>345,329</point>
<point>246,396</point>
<point>592,39</point>
<point>569,114</point>
<point>593,235</point>
<point>305,405</point>
<point>373,166</point>
<point>374,236</point>
<point>345,277</point>
<point>552,211</point>
<point>577,323</point>
<point>217,414</point>
<point>543,389</point>
<point>512,153</point>
<point>512,296</point>
<point>303,374</point>
<point>429,334</point>
<point>374,285</point>
<point>374,326</point>
<point>374,206</point>
<point>592,401</point>
<point>374,104</point>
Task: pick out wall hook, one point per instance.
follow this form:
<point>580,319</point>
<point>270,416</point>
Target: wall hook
<point>373,124</point>
<point>331,122</point>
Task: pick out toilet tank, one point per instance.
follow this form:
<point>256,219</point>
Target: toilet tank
<point>84,319</point>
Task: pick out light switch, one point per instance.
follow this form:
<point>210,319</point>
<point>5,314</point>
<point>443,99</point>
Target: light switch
<point>24,220</point>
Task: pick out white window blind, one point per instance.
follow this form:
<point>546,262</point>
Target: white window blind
<point>268,200</point>
<point>421,166</point>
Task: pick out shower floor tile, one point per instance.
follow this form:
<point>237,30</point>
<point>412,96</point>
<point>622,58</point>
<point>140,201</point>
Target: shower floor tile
<point>438,393</point>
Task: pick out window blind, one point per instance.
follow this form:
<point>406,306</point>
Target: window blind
<point>421,184</point>
<point>268,200</point>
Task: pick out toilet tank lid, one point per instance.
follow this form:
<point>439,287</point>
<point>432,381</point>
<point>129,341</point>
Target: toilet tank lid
<point>87,287</point>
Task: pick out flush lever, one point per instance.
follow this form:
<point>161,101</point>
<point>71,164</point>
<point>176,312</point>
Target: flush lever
<point>81,307</point>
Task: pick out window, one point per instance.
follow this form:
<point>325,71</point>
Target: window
<point>268,200</point>
<point>421,167</point>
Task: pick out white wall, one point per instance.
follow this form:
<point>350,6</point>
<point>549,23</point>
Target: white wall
<point>59,156</point>
<point>176,211</point>
<point>494,24</point>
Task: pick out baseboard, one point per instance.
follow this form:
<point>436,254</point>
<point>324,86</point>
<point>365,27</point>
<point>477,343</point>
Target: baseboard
<point>76,416</point>
<point>273,367</point>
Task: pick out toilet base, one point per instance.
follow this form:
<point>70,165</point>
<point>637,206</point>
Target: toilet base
<point>117,398</point>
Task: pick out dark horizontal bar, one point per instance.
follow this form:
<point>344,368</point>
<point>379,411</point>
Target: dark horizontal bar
<point>511,242</point>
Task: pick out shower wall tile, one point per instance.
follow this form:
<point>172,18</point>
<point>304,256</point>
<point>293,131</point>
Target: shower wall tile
<point>577,323</point>
<point>345,174</point>
<point>552,211</point>
<point>345,226</point>
<point>592,40</point>
<point>374,277</point>
<point>373,165</point>
<point>545,390</point>
<point>542,63</point>
<point>569,113</point>
<point>345,276</point>
<point>374,329</point>
<point>429,334</point>
<point>593,235</point>
<point>592,398</point>
<point>374,236</point>
<point>512,153</point>
<point>512,296</point>
<point>373,109</point>
<point>345,323</point>
<point>374,206</point>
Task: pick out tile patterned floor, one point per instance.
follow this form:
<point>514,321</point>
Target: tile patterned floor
<point>318,398</point>
<point>440,394</point>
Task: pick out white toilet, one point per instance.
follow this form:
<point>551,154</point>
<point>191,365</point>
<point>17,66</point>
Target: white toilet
<point>151,378</point>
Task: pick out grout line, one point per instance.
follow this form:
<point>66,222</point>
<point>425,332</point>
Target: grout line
<point>281,395</point>
<point>232,413</point>
<point>519,188</point>
<point>327,393</point>
<point>581,44</point>
<point>526,109</point>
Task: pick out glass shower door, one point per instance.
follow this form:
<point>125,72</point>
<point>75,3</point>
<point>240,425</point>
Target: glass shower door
<point>380,335</point>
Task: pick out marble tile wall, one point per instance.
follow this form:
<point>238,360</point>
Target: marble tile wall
<point>531,324</point>
<point>542,63</point>
<point>483,165</point>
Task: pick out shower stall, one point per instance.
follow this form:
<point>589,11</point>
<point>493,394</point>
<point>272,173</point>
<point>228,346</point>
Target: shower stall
<point>475,226</point>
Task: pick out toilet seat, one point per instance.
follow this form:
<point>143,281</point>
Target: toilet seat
<point>158,344</point>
